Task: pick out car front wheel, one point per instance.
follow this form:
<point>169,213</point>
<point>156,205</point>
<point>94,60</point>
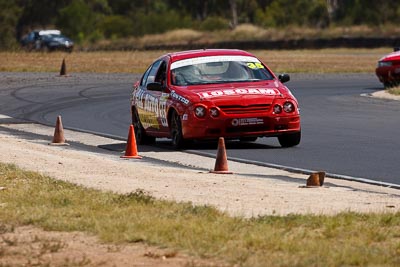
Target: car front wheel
<point>289,140</point>
<point>176,131</point>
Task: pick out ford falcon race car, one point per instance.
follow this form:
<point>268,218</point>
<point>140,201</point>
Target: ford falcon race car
<point>388,69</point>
<point>207,94</point>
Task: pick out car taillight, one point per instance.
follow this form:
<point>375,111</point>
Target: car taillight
<point>200,111</point>
<point>214,112</point>
<point>277,109</point>
<point>288,107</point>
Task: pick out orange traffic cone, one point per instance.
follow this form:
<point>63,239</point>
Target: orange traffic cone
<point>63,70</point>
<point>316,179</point>
<point>221,163</point>
<point>131,149</point>
<point>58,138</point>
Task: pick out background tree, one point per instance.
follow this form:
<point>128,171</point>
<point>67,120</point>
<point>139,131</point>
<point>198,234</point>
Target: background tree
<point>9,13</point>
<point>311,13</point>
<point>332,7</point>
<point>82,20</point>
<point>37,14</point>
<point>233,6</point>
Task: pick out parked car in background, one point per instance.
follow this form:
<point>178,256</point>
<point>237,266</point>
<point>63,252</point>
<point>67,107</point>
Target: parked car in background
<point>47,40</point>
<point>212,93</point>
<point>388,69</point>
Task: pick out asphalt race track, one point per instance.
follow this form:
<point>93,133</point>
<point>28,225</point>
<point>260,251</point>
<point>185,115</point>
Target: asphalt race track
<point>343,132</point>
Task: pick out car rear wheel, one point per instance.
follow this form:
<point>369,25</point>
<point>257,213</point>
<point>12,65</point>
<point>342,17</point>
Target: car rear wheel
<point>289,140</point>
<point>140,135</point>
<point>391,84</point>
<point>176,131</point>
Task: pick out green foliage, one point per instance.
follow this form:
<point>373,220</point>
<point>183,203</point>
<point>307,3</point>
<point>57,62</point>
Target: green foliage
<point>158,22</point>
<point>214,24</point>
<point>116,26</point>
<point>9,13</point>
<point>357,12</point>
<point>300,12</point>
<point>77,20</point>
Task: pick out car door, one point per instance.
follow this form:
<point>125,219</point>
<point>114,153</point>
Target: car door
<point>151,103</point>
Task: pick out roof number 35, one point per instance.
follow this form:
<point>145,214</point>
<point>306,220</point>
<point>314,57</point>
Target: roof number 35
<point>255,65</point>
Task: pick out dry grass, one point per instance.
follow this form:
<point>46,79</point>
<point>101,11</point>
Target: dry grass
<point>307,61</point>
<point>394,90</point>
<point>250,32</point>
<point>102,62</point>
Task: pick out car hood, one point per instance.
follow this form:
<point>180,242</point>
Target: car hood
<point>391,56</point>
<point>239,93</point>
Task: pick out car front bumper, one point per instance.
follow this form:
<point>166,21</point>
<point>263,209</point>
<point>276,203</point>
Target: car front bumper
<point>240,127</point>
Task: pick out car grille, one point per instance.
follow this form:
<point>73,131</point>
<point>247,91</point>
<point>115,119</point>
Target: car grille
<point>239,109</point>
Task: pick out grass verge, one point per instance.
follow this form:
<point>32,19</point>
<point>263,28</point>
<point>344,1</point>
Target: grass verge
<point>296,240</point>
<point>394,90</point>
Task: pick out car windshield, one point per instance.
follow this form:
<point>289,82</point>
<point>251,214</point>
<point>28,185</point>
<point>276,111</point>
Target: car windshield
<point>218,69</point>
<point>53,36</point>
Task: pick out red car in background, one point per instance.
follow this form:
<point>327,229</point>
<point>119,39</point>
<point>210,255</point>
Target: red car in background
<point>207,94</point>
<point>388,69</point>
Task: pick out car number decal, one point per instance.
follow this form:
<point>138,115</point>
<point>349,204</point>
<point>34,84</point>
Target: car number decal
<point>256,65</point>
<point>156,106</point>
<point>227,92</point>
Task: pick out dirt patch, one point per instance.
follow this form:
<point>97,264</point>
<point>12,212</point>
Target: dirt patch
<point>29,246</point>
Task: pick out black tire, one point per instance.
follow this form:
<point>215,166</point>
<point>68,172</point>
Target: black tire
<point>45,49</point>
<point>391,84</point>
<point>141,137</point>
<point>387,85</point>
<point>178,141</point>
<point>289,140</point>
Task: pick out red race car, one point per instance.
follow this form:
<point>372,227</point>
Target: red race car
<point>207,94</point>
<point>388,69</point>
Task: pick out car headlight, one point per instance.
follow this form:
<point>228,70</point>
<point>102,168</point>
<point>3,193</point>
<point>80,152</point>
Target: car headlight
<point>277,109</point>
<point>200,111</point>
<point>214,112</point>
<point>385,63</point>
<point>288,107</point>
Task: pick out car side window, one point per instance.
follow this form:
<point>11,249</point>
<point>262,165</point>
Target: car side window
<point>145,75</point>
<point>151,76</point>
<point>161,74</point>
<point>31,36</point>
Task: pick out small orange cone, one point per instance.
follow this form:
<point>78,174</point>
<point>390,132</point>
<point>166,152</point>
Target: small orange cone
<point>58,138</point>
<point>63,70</point>
<point>221,163</point>
<point>316,179</point>
<point>131,149</point>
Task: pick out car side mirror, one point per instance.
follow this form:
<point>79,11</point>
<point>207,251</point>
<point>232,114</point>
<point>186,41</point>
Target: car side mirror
<point>154,87</point>
<point>284,77</point>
